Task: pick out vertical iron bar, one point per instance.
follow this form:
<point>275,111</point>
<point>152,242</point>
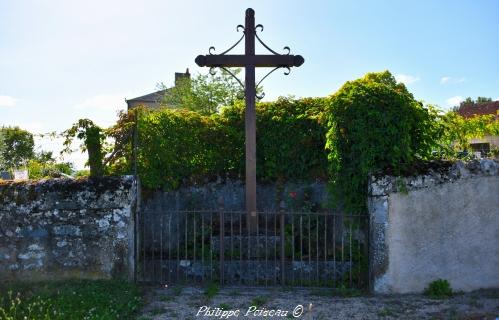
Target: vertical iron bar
<point>202,247</point>
<point>177,276</point>
<point>275,248</point>
<point>309,249</point>
<point>334,250</point>
<point>292,249</point>
<point>301,250</point>
<point>281,217</point>
<point>153,247</point>
<point>266,248</point>
<point>231,237</point>
<point>143,245</point>
<point>185,245</point>
<point>169,248</point>
<point>194,242</point>
<point>325,248</point>
<point>222,245</point>
<point>342,245</point>
<point>350,250</point>
<point>317,248</point>
<point>257,251</point>
<point>359,275</point>
<point>161,249</point>
<point>240,248</point>
<point>137,239</point>
<point>211,246</point>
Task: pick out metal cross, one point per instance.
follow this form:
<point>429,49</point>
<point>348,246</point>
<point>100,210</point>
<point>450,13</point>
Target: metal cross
<point>250,61</point>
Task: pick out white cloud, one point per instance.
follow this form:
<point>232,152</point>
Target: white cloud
<point>103,102</point>
<point>406,78</point>
<point>7,101</point>
<point>454,101</point>
<point>444,80</point>
<point>448,80</point>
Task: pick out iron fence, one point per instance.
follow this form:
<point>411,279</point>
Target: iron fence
<point>282,248</point>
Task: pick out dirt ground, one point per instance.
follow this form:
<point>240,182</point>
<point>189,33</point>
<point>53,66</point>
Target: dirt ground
<point>278,303</point>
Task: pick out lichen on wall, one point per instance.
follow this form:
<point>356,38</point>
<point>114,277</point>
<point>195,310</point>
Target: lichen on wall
<point>58,228</point>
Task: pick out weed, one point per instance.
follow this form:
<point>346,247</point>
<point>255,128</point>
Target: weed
<point>438,289</point>
<point>211,290</point>
<point>259,301</point>
<point>386,312</point>
<point>225,306</point>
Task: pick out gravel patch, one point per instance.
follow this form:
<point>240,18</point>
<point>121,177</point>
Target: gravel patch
<point>186,303</point>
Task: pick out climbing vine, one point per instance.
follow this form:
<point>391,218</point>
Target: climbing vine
<point>374,124</point>
<point>93,139</point>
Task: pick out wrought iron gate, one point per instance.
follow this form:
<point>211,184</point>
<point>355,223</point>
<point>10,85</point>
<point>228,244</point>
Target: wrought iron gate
<point>287,248</point>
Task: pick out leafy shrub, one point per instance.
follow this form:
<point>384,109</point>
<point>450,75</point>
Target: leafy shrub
<point>438,289</point>
<point>175,145</point>
<point>39,170</point>
<point>82,173</point>
<point>374,124</point>
<point>457,131</point>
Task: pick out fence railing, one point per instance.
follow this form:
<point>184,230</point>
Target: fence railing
<point>283,248</point>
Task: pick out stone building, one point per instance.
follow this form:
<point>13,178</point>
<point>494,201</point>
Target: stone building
<point>153,100</point>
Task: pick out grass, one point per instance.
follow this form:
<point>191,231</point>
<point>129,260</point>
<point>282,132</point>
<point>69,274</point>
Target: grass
<point>211,290</point>
<point>259,301</point>
<point>69,300</point>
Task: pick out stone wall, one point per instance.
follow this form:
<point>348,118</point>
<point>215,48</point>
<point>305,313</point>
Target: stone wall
<point>300,197</point>
<point>61,228</point>
<point>444,224</point>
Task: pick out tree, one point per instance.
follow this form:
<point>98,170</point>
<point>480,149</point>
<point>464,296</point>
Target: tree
<point>16,147</point>
<point>93,140</point>
<point>483,99</point>
<point>204,93</point>
<point>470,101</point>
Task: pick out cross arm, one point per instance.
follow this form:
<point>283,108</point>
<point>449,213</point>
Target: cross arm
<point>245,60</point>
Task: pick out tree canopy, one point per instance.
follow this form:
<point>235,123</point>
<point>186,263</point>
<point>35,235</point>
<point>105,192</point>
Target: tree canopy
<point>16,147</point>
<point>205,94</point>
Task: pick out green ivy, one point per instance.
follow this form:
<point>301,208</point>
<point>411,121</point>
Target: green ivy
<point>371,125</point>
<point>374,124</point>
<point>180,145</point>
<point>93,139</point>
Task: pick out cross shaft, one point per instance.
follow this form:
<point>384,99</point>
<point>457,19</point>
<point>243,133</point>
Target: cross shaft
<point>250,61</point>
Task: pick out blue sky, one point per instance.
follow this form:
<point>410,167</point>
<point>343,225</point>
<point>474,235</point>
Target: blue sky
<point>63,60</point>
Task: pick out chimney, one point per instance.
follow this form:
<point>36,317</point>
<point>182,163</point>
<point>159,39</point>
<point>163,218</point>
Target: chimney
<point>179,76</point>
